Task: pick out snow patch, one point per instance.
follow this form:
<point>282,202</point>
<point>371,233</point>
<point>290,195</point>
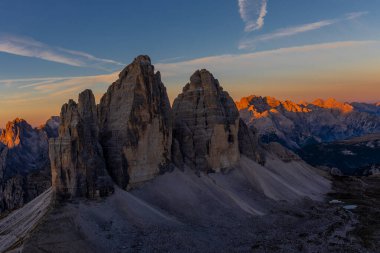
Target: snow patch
<point>347,152</point>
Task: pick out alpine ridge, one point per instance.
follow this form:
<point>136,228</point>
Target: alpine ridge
<point>24,162</point>
<point>299,124</point>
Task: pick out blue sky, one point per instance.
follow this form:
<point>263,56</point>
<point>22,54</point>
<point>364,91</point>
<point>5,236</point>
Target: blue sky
<point>294,49</point>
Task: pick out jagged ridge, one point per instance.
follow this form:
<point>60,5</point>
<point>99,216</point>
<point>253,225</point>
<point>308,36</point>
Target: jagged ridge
<point>296,125</point>
<point>24,162</point>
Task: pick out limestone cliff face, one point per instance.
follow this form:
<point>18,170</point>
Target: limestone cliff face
<point>51,127</point>
<point>77,164</point>
<point>135,124</point>
<point>206,123</point>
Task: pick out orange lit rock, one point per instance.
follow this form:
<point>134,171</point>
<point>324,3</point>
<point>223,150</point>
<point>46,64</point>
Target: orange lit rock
<point>24,163</point>
<point>299,124</point>
<point>331,103</point>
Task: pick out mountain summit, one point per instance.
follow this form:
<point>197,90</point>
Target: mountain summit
<point>135,124</point>
<point>24,162</point>
<point>296,125</point>
<point>332,103</point>
<point>206,123</point>
<point>129,134</point>
<point>14,132</point>
<point>77,164</point>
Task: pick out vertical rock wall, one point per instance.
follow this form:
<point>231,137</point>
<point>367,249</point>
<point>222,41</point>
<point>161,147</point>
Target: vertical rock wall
<point>135,124</point>
<point>206,123</point>
<point>77,163</point>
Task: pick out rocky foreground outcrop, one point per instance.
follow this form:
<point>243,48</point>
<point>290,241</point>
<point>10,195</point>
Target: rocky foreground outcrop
<point>24,162</point>
<point>77,165</point>
<point>135,125</point>
<point>206,124</point>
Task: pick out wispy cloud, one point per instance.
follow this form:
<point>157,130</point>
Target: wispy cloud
<point>354,15</point>
<point>29,47</point>
<point>46,87</point>
<point>250,43</point>
<point>232,60</point>
<point>29,97</point>
<point>51,85</point>
<point>30,90</point>
<point>253,13</point>
<point>172,59</point>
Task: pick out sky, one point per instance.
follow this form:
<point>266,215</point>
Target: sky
<point>295,49</point>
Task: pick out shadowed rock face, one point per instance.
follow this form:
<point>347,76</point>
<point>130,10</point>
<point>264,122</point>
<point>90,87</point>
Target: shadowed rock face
<point>135,124</point>
<point>249,143</point>
<point>206,123</point>
<point>77,164</point>
<point>51,127</point>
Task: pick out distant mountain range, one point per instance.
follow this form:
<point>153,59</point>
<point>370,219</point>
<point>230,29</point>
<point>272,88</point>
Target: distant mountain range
<point>296,125</point>
<point>24,162</point>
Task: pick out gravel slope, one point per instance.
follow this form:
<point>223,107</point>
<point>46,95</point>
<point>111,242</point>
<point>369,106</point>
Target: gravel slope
<point>17,225</point>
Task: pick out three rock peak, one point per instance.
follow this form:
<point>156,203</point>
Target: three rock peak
<point>133,134</point>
